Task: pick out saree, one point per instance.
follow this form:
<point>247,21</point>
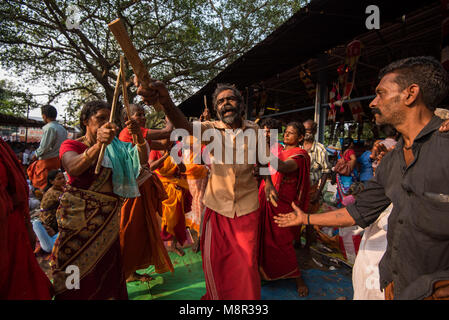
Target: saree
<point>196,175</point>
<point>277,256</point>
<point>176,187</point>
<point>38,171</point>
<point>21,277</point>
<point>344,182</point>
<point>86,259</point>
<point>140,240</point>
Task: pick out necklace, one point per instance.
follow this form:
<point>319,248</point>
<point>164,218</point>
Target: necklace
<point>408,148</point>
<point>86,142</point>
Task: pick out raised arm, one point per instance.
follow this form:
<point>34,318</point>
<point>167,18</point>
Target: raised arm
<point>134,129</point>
<point>159,134</point>
<point>156,92</point>
<point>76,164</point>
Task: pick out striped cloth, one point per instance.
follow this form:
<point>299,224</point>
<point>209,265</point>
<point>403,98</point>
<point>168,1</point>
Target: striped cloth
<point>319,162</point>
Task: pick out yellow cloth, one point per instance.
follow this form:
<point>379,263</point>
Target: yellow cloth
<point>173,206</point>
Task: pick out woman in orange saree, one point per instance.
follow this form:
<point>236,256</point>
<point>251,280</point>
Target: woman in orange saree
<point>173,225</point>
<point>140,238</point>
<point>277,258</point>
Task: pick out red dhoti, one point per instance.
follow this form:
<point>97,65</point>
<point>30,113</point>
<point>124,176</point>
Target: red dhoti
<point>229,248</point>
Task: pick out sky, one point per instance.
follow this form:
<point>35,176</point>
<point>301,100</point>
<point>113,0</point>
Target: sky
<point>36,89</point>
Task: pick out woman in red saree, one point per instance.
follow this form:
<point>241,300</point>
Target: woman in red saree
<point>21,277</point>
<point>140,239</point>
<point>277,259</point>
<point>86,258</point>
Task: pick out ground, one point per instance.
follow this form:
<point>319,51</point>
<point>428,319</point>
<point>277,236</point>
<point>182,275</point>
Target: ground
<point>327,278</point>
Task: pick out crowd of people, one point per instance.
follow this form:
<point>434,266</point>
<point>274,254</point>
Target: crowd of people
<point>150,196</point>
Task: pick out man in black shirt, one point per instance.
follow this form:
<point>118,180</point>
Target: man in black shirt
<point>414,177</point>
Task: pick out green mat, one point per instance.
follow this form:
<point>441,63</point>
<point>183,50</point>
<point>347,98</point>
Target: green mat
<point>186,283</point>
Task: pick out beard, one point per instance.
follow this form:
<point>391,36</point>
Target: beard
<point>394,117</point>
<point>231,118</point>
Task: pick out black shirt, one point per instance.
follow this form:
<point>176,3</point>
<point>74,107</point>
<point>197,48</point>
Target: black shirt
<point>417,254</point>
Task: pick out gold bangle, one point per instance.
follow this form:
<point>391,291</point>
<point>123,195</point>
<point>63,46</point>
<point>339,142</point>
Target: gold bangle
<point>141,144</point>
<point>85,154</point>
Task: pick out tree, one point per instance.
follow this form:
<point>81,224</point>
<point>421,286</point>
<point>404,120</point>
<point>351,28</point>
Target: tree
<point>13,101</point>
<point>184,43</point>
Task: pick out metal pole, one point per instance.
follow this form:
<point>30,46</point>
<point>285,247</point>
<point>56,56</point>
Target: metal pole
<point>26,126</point>
<point>321,98</point>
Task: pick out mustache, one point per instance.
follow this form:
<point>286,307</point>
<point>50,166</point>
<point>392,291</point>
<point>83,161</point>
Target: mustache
<point>229,107</point>
<point>376,111</point>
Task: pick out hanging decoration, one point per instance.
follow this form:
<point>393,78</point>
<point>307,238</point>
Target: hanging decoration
<point>356,110</point>
<point>342,88</point>
<point>306,77</point>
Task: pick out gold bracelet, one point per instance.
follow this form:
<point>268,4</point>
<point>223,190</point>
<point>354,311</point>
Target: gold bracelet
<point>85,154</point>
<point>141,144</point>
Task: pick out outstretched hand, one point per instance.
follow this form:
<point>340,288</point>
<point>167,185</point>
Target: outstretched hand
<point>291,219</point>
<point>444,126</point>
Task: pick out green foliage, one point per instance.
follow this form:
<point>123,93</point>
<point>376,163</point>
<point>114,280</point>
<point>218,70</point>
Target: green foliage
<point>184,43</point>
<point>155,119</point>
<point>13,101</point>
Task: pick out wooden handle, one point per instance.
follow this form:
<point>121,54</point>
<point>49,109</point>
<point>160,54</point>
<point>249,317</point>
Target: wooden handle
<point>125,93</point>
<point>111,118</point>
<point>121,35</point>
<point>205,102</point>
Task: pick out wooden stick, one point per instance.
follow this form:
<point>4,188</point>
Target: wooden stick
<point>121,35</point>
<point>125,92</point>
<point>111,118</point>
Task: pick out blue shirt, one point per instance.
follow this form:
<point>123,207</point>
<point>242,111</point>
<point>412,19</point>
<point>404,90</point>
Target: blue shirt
<point>366,167</point>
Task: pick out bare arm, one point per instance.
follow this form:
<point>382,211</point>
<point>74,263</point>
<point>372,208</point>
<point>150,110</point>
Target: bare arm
<point>336,218</point>
<point>157,92</point>
<point>159,145</point>
<point>287,166</point>
<point>156,164</point>
<point>76,164</point>
<point>159,134</point>
<point>134,129</point>
<point>353,161</point>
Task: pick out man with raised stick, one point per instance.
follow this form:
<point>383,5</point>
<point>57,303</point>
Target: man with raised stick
<point>229,242</point>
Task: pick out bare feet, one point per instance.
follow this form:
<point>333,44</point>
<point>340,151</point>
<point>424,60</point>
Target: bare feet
<point>301,287</point>
<point>196,245</point>
<point>139,277</point>
<point>176,249</point>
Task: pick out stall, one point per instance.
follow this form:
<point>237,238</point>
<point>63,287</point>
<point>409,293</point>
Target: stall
<point>323,63</point>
